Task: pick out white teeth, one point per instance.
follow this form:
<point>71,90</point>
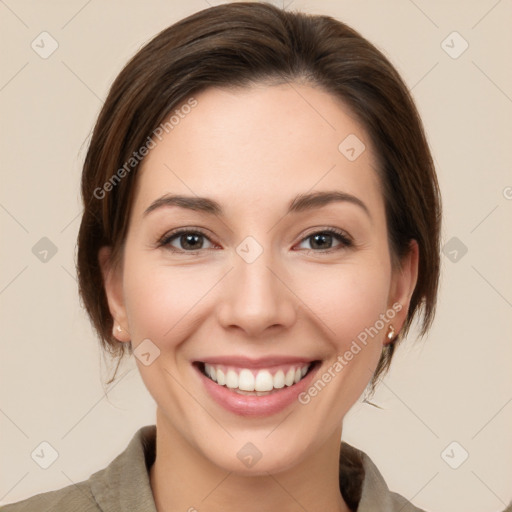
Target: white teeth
<point>290,377</point>
<point>231,379</point>
<point>264,381</point>
<point>221,378</point>
<point>279,379</point>
<point>261,383</point>
<point>246,381</point>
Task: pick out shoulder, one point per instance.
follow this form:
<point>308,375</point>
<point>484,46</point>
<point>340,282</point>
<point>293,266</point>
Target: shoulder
<point>376,494</point>
<point>122,485</point>
<point>372,491</point>
<point>73,498</point>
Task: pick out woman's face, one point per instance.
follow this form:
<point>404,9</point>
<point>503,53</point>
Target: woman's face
<point>255,285</point>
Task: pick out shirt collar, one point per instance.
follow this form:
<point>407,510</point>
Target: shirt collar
<point>124,484</point>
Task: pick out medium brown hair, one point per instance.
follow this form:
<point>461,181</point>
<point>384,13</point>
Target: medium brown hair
<point>235,45</point>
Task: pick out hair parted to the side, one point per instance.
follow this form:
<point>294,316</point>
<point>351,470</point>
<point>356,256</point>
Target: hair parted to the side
<point>235,45</point>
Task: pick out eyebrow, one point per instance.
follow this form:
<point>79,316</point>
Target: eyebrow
<point>300,203</point>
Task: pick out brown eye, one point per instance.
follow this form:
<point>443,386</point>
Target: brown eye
<point>323,240</point>
<point>185,241</point>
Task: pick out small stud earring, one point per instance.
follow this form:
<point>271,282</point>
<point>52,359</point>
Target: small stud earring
<point>391,333</point>
<point>119,328</point>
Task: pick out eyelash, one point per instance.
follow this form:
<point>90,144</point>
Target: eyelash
<point>346,241</point>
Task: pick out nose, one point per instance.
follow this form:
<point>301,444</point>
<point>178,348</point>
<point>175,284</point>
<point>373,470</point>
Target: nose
<point>256,297</point>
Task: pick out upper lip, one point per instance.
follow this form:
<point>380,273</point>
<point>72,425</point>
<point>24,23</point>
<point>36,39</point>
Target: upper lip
<point>248,362</point>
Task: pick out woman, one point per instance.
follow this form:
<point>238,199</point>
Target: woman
<point>261,225</point>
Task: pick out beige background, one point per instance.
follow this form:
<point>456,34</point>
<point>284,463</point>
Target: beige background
<point>454,386</point>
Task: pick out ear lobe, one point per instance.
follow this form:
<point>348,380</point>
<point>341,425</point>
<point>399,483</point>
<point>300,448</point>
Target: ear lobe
<point>113,285</point>
<point>403,284</point>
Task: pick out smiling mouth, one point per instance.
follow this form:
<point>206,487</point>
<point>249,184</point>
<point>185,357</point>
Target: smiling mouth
<point>256,382</point>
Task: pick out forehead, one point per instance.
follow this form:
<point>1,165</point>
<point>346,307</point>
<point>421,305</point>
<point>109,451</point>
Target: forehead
<point>258,146</point>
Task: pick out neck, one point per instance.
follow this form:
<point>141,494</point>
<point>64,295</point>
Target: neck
<point>182,479</point>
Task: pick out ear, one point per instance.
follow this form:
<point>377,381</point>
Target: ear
<point>113,284</point>
<point>402,286</point>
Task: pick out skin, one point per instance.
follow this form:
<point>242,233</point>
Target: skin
<point>253,150</point>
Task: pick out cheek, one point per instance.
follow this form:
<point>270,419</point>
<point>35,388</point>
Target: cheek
<point>346,298</point>
<point>159,299</point>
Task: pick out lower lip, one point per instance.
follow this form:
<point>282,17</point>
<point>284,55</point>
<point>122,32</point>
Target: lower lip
<point>265,405</point>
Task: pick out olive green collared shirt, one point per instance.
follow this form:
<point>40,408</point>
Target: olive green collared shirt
<point>124,485</point>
